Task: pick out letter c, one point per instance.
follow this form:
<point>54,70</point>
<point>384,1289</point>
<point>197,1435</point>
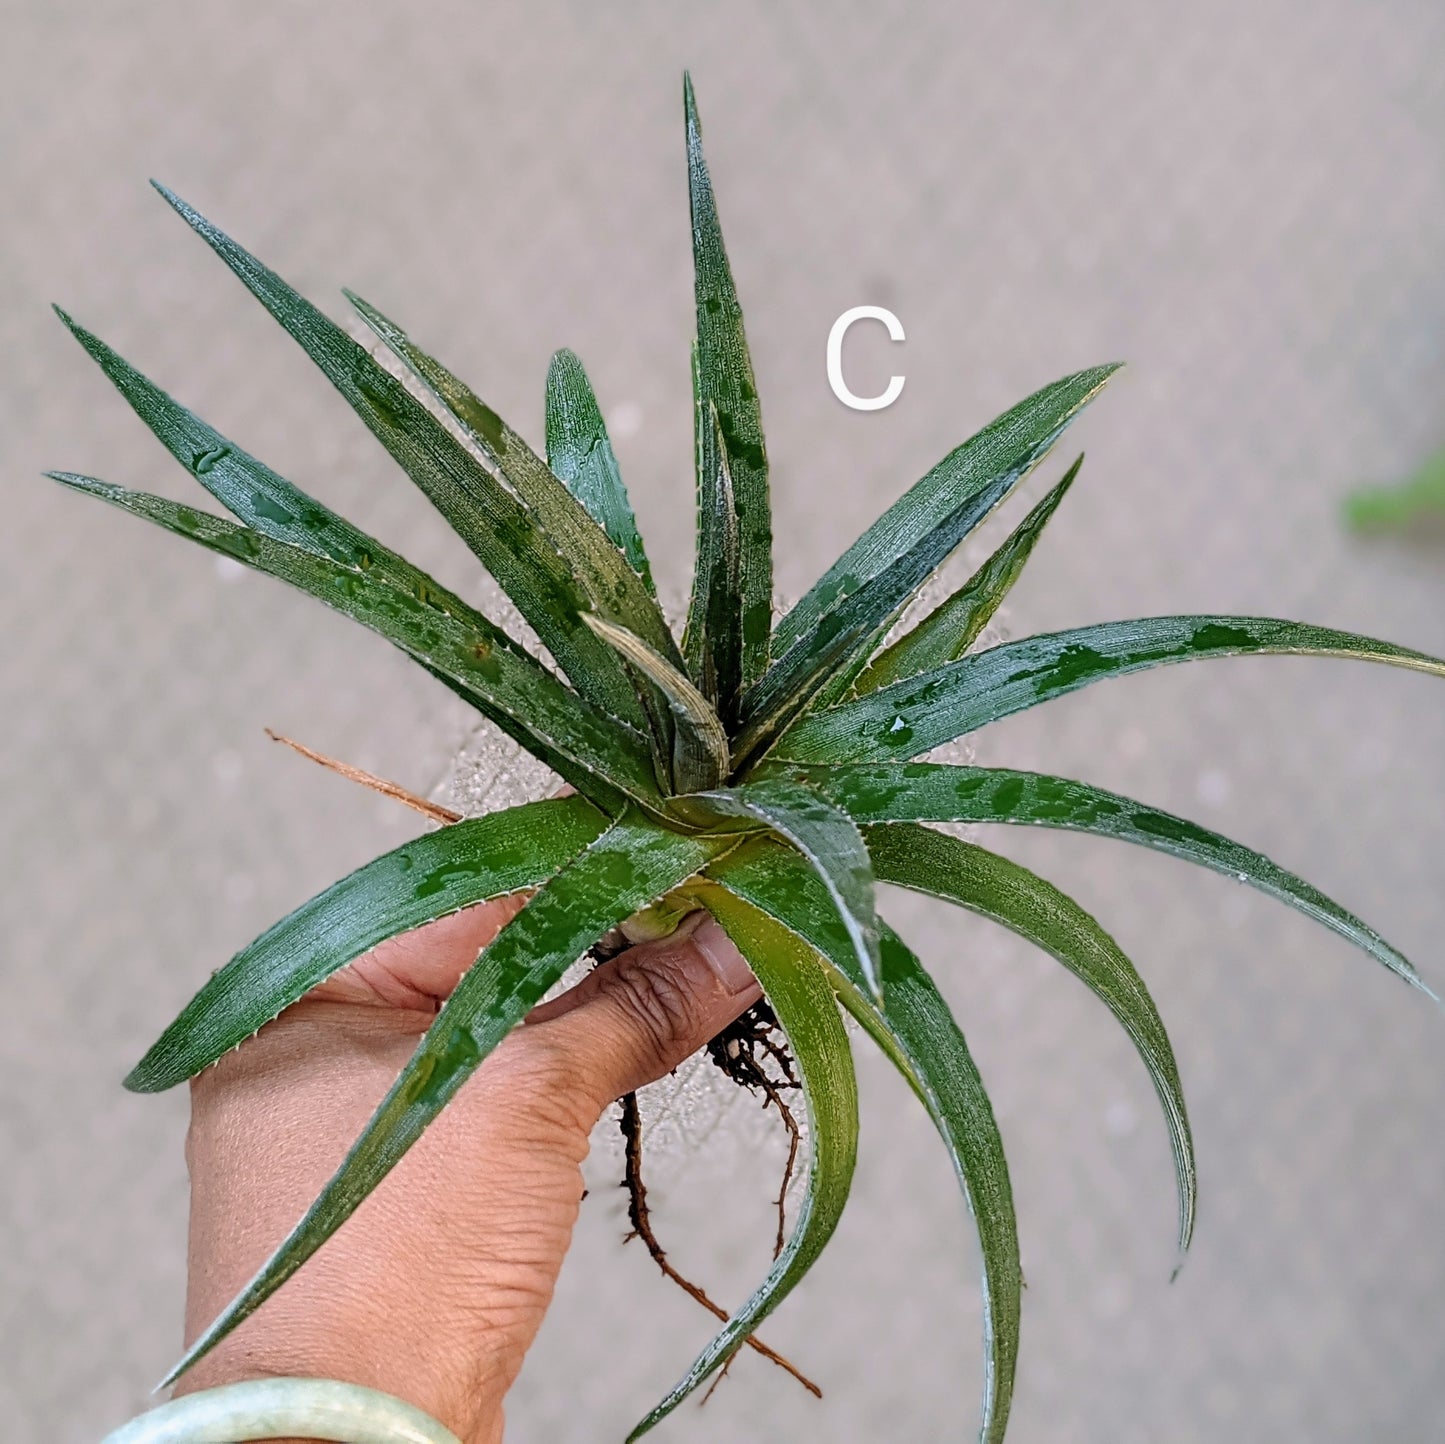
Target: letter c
<point>835,358</point>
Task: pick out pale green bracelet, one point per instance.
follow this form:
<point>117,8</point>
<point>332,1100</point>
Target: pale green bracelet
<point>284,1409</point>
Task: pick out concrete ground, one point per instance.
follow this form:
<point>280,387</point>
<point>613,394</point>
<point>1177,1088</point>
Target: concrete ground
<point>1246,201</point>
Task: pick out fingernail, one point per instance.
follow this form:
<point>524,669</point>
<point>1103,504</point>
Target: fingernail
<point>728,965</point>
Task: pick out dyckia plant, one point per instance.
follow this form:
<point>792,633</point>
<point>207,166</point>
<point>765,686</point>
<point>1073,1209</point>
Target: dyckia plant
<point>768,773</point>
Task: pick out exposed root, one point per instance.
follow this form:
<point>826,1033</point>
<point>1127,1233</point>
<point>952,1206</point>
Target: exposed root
<point>640,1218</point>
<point>740,1051</point>
<point>433,810</point>
<point>717,1379</point>
<point>795,1139</point>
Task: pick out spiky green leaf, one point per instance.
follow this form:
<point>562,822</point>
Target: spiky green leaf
<point>995,888</point>
<point>1011,443</point>
<point>920,713</point>
<point>725,383</point>
<point>836,622</point>
<point>919,1036</point>
<point>933,792</point>
<point>416,883</point>
<point>948,631</point>
<point>951,628</point>
<point>505,537</point>
<point>273,506</point>
<point>630,865</point>
<point>700,745</point>
<point>712,639</point>
<point>793,979</point>
<point>265,501</point>
<point>580,455</point>
<point>613,589</point>
<point>600,757</point>
<point>825,835</point>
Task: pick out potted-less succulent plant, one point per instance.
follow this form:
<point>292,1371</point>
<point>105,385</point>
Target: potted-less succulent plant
<point>766,772</point>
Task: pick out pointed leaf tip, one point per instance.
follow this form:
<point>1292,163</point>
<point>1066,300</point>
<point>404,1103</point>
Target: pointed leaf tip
<point>469,862</point>
<point>83,334</point>
<point>952,627</point>
<point>838,623</point>
<point>187,212</point>
<point>961,872</point>
<point>910,718</point>
<point>580,455</point>
<point>723,378</point>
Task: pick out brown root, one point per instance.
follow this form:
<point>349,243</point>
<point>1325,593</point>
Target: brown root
<point>641,1220</point>
<point>717,1379</point>
<point>741,1050</point>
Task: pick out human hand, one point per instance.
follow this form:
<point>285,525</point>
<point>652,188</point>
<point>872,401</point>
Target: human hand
<point>434,1290</point>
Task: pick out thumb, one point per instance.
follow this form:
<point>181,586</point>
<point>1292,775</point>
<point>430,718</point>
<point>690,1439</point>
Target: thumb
<point>638,1016</point>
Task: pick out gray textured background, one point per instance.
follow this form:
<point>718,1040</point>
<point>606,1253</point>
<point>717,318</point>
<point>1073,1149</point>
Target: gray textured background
<point>1246,201</point>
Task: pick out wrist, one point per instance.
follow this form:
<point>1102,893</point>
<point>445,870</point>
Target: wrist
<point>471,1410</point>
<point>403,1299</point>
